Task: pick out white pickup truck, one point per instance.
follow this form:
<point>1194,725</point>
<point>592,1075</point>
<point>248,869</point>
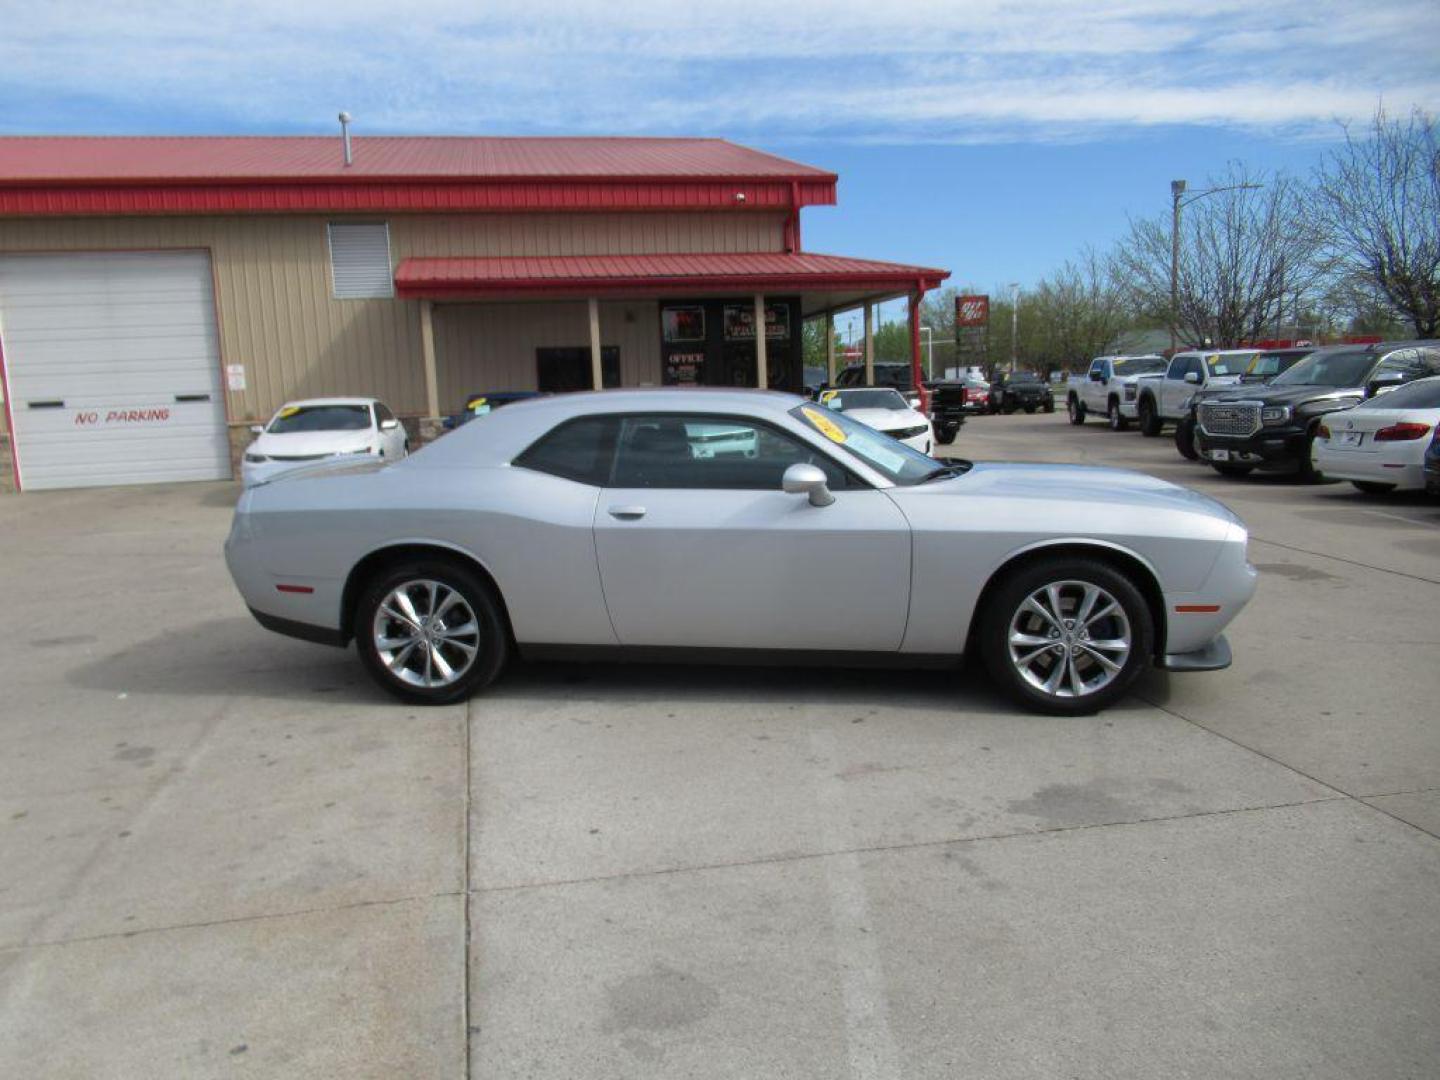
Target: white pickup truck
<point>1166,398</point>
<point>1108,388</point>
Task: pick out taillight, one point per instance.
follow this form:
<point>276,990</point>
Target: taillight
<point>1323,431</point>
<point>1402,432</point>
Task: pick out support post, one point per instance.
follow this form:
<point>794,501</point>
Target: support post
<point>762,361</point>
<point>597,367</point>
<point>915,372</point>
<point>869,344</point>
<point>830,347</point>
<point>427,351</point>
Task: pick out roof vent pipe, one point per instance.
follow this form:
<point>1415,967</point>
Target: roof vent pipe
<point>345,136</point>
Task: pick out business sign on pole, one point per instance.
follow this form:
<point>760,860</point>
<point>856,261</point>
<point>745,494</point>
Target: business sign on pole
<point>972,311</point>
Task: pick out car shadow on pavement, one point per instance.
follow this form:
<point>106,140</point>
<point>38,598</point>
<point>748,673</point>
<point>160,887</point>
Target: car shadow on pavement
<point>231,657</point>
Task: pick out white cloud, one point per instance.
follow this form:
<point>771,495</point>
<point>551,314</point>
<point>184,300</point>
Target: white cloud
<point>912,70</point>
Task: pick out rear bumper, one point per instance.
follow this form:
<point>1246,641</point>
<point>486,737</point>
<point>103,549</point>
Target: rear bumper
<point>1212,657</point>
<point>320,635</point>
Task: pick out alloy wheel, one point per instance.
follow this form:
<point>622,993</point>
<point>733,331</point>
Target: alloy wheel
<point>426,633</point>
<point>1069,639</point>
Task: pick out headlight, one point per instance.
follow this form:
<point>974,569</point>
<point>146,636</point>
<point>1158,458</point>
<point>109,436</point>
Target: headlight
<point>256,459</point>
<point>1274,414</point>
<point>909,432</point>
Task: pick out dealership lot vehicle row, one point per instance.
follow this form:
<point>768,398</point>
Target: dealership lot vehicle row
<point>227,850</point>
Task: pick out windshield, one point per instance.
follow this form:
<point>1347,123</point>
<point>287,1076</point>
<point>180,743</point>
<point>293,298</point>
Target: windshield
<point>863,399</point>
<point>1329,369</point>
<point>1421,394</point>
<point>1234,364</point>
<point>1139,365</point>
<point>296,418</point>
<point>894,460</point>
<point>1267,364</point>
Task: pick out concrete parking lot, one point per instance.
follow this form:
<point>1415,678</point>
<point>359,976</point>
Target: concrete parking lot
<point>224,853</point>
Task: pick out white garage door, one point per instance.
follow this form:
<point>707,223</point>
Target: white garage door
<point>113,368</point>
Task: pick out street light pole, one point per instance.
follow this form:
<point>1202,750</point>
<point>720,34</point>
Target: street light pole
<point>929,350</point>
<point>1014,323</point>
<point>1177,200</point>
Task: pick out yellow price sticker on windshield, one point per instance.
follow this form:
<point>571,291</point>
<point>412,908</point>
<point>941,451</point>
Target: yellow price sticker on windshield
<point>824,424</point>
<point>827,396</point>
<point>289,411</point>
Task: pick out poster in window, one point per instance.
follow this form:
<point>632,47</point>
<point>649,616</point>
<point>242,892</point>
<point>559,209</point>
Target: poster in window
<point>684,368</point>
<point>740,322</point>
<point>685,323</point>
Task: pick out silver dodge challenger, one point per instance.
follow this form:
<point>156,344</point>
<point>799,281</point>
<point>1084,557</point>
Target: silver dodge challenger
<point>736,525</point>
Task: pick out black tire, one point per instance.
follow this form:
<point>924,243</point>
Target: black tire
<point>492,638</point>
<point>1113,417</point>
<point>1150,422</point>
<point>1076,408</point>
<point>1185,439</point>
<point>1373,487</point>
<point>1233,472</point>
<point>945,434</point>
<point>1030,409</point>
<point>1305,467</point>
<point>1004,606</point>
<point>1049,406</point>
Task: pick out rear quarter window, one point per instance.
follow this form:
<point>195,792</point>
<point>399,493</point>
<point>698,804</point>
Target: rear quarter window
<point>581,450</point>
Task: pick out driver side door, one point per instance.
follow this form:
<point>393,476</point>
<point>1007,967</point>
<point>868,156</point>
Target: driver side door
<point>698,546</point>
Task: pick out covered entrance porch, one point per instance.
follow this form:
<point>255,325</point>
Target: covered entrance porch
<point>591,322</point>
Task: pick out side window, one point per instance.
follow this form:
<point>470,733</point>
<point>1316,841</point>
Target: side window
<point>382,413</point>
<point>1098,368</point>
<point>710,452</point>
<point>579,450</point>
<point>1406,361</point>
<point>1177,367</point>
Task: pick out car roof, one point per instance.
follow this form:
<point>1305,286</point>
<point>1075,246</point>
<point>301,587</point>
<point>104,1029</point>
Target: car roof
<point>308,402</point>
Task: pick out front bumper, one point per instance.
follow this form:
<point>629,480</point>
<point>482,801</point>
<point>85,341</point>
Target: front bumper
<point>1268,449</point>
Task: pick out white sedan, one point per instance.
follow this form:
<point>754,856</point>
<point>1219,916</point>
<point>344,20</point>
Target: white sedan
<point>304,432</point>
<point>886,411</point>
<point>1379,445</point>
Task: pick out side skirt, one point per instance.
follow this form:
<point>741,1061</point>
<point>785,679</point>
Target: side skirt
<point>663,654</point>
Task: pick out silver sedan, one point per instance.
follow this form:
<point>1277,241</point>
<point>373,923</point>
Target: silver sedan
<point>721,524</point>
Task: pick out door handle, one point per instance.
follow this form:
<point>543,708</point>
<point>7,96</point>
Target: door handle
<point>627,513</point>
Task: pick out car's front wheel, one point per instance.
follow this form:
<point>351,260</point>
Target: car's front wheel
<point>1076,408</point>
<point>1185,439</point>
<point>431,631</point>
<point>1117,421</point>
<point>1066,635</point>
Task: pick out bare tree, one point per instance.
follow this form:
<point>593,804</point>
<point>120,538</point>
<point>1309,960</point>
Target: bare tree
<point>1076,312</point>
<point>1379,198</point>
<point>1247,246</point>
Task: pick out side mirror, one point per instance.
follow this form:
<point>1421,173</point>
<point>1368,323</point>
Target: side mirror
<point>257,429</point>
<point>1192,377</point>
<point>1382,383</point>
<point>389,425</point>
<point>808,480</point>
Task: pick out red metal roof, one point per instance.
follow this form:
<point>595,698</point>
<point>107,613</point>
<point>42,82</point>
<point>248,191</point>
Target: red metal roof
<point>459,278</point>
<point>64,176</point>
<point>45,159</point>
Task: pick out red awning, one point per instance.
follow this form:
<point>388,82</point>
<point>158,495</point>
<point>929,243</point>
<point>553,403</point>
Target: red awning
<point>654,275</point>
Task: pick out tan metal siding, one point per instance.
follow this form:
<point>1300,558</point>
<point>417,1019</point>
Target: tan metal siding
<point>492,346</point>
<point>278,319</point>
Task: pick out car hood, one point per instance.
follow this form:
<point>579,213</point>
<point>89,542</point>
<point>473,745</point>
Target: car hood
<point>307,443</point>
<point>887,419</point>
<point>1074,484</point>
<point>1298,394</point>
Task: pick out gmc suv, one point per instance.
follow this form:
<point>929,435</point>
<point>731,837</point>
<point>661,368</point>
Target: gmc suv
<point>1271,427</point>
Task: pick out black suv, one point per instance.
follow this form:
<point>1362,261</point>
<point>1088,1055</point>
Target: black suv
<point>1271,427</point>
<point>1011,390</point>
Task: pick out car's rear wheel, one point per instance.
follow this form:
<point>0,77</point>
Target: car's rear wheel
<point>1117,422</point>
<point>1030,408</point>
<point>1076,410</point>
<point>431,631</point>
<point>1049,406</point>
<point>1373,487</point>
<point>1233,472</point>
<point>1150,422</point>
<point>1067,635</point>
<point>1185,439</point>
<point>945,433</point>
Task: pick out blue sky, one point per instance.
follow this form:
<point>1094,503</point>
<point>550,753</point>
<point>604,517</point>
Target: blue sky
<point>992,138</point>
